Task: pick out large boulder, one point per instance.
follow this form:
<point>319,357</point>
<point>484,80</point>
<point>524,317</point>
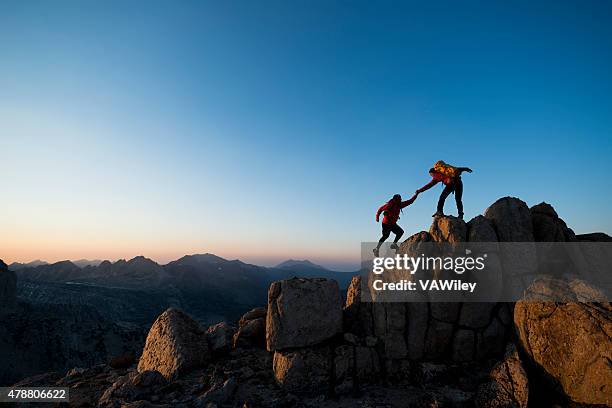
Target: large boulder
<point>448,229</point>
<point>511,219</point>
<point>175,344</point>
<point>251,329</point>
<point>304,370</point>
<point>481,229</point>
<point>8,286</point>
<point>548,227</point>
<point>256,313</point>
<point>508,386</point>
<point>570,343</point>
<point>220,337</point>
<point>302,312</point>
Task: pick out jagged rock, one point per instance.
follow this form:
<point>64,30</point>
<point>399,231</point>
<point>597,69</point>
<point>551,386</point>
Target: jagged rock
<point>75,372</point>
<point>480,229</point>
<point>132,387</point>
<point>220,337</point>
<point>251,333</point>
<point>357,313</point>
<point>257,313</point>
<point>304,370</point>
<point>8,286</point>
<point>175,344</point>
<point>448,229</point>
<point>570,342</point>
<point>390,325</point>
<point>302,312</point>
<point>512,220</point>
<point>509,386</point>
<point>221,394</point>
<point>548,227</point>
<point>356,363</point>
<point>414,242</point>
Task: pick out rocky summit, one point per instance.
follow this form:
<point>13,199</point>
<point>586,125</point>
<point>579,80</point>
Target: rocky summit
<point>305,347</point>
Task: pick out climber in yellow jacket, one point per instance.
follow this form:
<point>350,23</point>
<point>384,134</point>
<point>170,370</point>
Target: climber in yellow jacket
<point>450,176</point>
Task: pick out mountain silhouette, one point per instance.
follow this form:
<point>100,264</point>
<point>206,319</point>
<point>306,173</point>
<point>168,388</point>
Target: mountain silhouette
<point>294,264</point>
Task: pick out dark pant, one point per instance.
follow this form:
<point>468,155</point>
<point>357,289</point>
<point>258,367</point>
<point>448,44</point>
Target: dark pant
<point>456,187</point>
<point>387,229</point>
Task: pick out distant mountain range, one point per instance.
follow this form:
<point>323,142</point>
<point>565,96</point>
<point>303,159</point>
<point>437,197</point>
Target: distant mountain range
<point>293,264</point>
<point>16,265</point>
<point>189,272</point>
<point>87,262</point>
<point>209,287</point>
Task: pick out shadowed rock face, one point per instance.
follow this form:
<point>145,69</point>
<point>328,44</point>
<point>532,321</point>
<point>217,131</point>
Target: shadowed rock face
<point>220,337</point>
<point>570,343</point>
<point>509,386</point>
<point>175,344</point>
<point>252,329</point>
<point>438,331</point>
<point>548,227</point>
<point>511,219</point>
<point>304,370</point>
<point>302,312</point>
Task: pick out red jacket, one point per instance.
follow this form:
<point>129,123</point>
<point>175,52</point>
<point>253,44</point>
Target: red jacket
<point>436,178</point>
<point>392,210</point>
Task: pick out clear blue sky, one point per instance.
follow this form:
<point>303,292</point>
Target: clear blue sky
<point>268,130</point>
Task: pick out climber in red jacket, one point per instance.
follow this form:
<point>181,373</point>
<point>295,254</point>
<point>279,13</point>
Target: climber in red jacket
<point>450,176</point>
<point>392,211</point>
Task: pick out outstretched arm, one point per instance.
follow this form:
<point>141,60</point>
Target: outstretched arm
<point>409,201</point>
<point>462,169</point>
<point>381,209</point>
<point>427,186</point>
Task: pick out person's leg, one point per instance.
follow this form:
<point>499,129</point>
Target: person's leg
<point>398,231</point>
<point>386,231</point>
<point>459,195</point>
<point>447,190</point>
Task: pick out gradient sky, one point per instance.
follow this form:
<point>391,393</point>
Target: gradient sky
<point>269,130</point>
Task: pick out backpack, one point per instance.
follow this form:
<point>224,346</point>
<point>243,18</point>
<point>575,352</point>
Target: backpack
<point>388,213</point>
<point>446,169</point>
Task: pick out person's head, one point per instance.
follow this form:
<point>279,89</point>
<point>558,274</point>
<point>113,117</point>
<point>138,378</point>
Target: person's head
<point>432,171</point>
<point>396,198</point>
